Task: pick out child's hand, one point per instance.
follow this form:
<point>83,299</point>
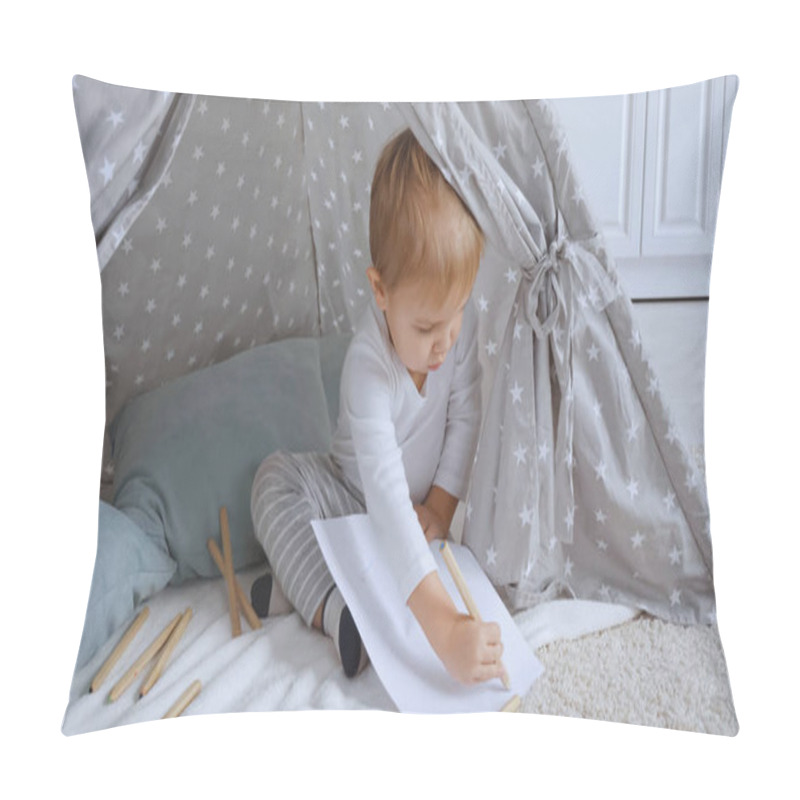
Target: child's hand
<point>432,525</point>
<point>472,652</point>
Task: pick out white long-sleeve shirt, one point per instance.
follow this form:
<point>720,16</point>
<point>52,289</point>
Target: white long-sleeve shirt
<point>394,442</point>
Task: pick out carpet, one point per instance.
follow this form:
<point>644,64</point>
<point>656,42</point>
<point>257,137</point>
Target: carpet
<point>642,671</point>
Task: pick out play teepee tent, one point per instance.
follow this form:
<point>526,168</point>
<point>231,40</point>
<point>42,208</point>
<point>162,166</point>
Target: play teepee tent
<point>226,223</point>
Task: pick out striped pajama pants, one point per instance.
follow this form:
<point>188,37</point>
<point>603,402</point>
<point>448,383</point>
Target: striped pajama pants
<point>289,490</point>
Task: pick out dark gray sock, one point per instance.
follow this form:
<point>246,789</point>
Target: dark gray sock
<point>267,598</point>
<point>337,622</point>
<point>260,593</point>
<point>350,646</point>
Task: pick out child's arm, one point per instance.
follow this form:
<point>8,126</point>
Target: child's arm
<point>368,388</point>
<point>471,651</point>
<point>436,513</point>
<point>463,422</point>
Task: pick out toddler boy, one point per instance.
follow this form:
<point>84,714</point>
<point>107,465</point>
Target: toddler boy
<point>408,425</point>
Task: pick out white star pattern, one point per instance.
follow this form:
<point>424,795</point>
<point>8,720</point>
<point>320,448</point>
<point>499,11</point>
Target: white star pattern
<point>672,434</point>
<point>138,153</point>
<point>107,171</point>
<point>600,471</point>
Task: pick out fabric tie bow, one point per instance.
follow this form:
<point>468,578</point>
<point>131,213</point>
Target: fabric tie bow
<point>543,298</point>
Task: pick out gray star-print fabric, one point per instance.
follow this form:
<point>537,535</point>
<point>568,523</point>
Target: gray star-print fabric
<point>225,223</point>
<point>580,486</point>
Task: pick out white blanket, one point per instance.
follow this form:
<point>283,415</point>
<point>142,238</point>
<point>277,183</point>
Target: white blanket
<point>282,666</point>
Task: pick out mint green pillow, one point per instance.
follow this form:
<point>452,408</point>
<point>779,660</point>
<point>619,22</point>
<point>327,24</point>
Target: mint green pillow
<point>129,567</point>
<point>193,445</point>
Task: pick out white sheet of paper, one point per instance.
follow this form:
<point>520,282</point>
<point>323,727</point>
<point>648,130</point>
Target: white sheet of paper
<point>409,669</point>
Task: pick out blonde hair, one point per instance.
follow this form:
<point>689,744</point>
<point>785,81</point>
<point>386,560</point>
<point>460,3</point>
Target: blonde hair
<point>419,228</point>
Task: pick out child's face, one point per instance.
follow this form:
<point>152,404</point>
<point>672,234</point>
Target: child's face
<point>423,328</point>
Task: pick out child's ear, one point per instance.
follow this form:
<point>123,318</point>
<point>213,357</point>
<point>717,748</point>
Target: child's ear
<point>378,289</point>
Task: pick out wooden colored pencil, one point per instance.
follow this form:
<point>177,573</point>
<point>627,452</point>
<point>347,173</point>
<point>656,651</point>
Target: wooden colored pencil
<point>230,580</point>
<point>244,602</point>
<point>127,679</point>
<point>513,704</point>
<point>179,706</point>
<point>463,590</point>
<point>117,652</point>
<point>161,661</point>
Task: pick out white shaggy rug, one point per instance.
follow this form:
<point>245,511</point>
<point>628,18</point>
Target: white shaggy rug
<point>642,671</point>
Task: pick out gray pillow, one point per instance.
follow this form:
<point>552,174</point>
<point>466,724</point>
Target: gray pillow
<point>193,445</point>
<point>129,568</point>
